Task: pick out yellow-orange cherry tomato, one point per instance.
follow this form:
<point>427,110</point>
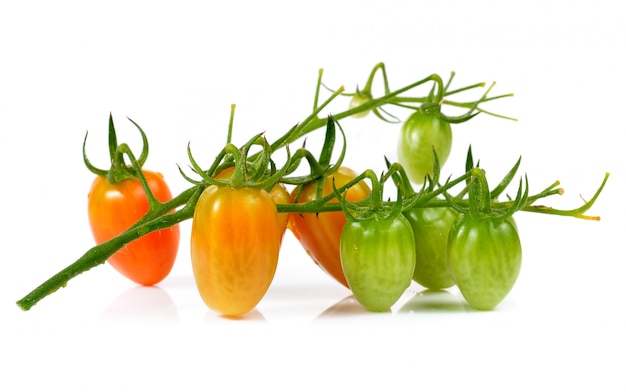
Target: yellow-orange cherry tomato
<point>319,234</point>
<point>235,241</point>
<point>279,194</point>
<point>113,208</point>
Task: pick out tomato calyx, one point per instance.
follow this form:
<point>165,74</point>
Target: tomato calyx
<point>122,171</point>
<point>319,169</point>
<point>483,203</point>
<point>260,172</point>
<point>119,170</point>
<point>373,207</point>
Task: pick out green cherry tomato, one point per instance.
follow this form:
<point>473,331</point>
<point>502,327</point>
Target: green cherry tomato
<point>485,257</point>
<point>359,99</point>
<point>420,133</point>
<point>378,259</point>
<point>431,227</point>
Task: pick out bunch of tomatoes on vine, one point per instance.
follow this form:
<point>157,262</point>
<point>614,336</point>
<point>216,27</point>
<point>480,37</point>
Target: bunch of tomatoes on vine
<point>436,232</point>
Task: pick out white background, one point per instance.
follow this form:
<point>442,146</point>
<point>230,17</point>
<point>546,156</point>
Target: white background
<point>176,68</point>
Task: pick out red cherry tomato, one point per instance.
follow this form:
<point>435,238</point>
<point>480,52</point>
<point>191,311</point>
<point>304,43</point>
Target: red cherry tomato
<point>113,208</point>
<point>319,234</point>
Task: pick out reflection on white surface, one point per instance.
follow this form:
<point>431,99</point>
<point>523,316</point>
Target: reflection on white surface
<point>141,304</point>
<point>434,301</point>
<point>253,315</point>
<point>347,307</point>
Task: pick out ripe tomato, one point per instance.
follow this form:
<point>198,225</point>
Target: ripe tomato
<point>319,234</point>
<point>113,208</point>
<point>279,194</point>
<point>485,257</point>
<point>378,259</point>
<point>420,133</point>
<point>431,227</point>
<point>235,241</point>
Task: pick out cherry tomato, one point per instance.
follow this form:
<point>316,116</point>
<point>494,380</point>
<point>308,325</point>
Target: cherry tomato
<point>113,208</point>
<point>378,259</point>
<point>279,194</point>
<point>420,133</point>
<point>431,227</point>
<point>359,99</point>
<point>485,257</point>
<point>319,234</point>
<point>235,242</point>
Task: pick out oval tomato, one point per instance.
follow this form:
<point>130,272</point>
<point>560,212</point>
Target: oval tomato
<point>485,257</point>
<point>319,234</point>
<point>378,259</point>
<point>431,227</point>
<point>420,133</point>
<point>235,242</point>
<point>113,208</point>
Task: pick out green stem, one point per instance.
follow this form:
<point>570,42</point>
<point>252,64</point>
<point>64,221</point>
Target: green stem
<point>160,215</point>
<point>156,219</point>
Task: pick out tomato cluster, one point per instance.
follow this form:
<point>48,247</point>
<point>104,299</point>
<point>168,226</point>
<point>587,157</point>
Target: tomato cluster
<point>244,203</point>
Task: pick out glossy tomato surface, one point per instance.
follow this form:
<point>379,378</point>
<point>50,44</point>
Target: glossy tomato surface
<point>431,227</point>
<point>378,259</point>
<point>420,133</point>
<point>235,242</point>
<point>113,208</point>
<point>485,257</point>
<point>319,234</point>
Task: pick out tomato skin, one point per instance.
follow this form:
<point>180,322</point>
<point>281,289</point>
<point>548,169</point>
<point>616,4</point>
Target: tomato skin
<point>420,133</point>
<point>485,257</point>
<point>279,194</point>
<point>319,234</point>
<point>378,259</point>
<point>235,242</point>
<point>431,227</point>
<point>113,208</point>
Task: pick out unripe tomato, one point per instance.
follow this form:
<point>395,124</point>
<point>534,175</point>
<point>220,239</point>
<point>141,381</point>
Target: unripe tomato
<point>420,133</point>
<point>113,208</point>
<point>431,227</point>
<point>357,100</point>
<point>319,234</point>
<point>485,257</point>
<point>235,241</point>
<point>378,259</point>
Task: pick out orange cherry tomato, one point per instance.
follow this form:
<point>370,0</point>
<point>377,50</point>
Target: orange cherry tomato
<point>279,194</point>
<point>113,208</point>
<point>319,234</point>
<point>235,242</point>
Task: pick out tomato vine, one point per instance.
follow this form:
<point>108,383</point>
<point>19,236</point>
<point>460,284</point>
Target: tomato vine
<point>259,169</point>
